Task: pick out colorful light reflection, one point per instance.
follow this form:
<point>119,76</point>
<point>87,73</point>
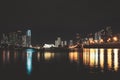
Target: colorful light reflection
<point>29,61</point>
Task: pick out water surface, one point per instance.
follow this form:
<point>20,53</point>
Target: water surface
<point>91,64</point>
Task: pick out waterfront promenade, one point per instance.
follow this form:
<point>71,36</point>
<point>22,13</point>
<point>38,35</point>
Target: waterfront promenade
<point>103,45</point>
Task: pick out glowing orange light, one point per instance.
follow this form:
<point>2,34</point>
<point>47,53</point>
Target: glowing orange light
<point>101,40</point>
<point>102,58</point>
<point>91,41</point>
<point>115,38</point>
<point>73,56</point>
<point>115,59</point>
<point>109,58</point>
<point>48,55</point>
<point>108,40</point>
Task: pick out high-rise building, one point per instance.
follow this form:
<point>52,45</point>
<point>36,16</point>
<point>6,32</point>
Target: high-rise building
<point>65,43</point>
<point>62,43</point>
<point>19,38</point>
<point>24,41</point>
<point>71,42</point>
<point>12,38</point>
<point>99,35</point>
<point>4,39</point>
<point>28,38</point>
<point>58,42</point>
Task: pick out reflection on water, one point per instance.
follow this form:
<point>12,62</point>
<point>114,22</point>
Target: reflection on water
<point>86,57</point>
<point>109,58</point>
<point>29,61</point>
<point>101,58</point>
<point>15,55</point>
<point>6,57</point>
<point>115,51</point>
<point>38,56</point>
<point>96,51</point>
<point>48,56</point>
<point>74,56</point>
<point>92,58</point>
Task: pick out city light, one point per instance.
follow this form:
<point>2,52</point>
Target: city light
<point>96,41</point>
<point>72,46</point>
<point>115,59</point>
<point>91,42</point>
<point>109,39</point>
<point>109,58</point>
<point>60,40</point>
<point>115,39</point>
<point>102,58</point>
<point>74,56</point>
<point>48,45</point>
<point>29,32</point>
<point>29,61</point>
<point>101,41</point>
<point>48,56</point>
<point>19,39</point>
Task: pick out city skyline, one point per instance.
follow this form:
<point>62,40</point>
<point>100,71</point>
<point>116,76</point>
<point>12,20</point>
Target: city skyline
<point>59,39</point>
<point>26,39</point>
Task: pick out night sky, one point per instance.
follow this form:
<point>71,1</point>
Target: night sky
<point>51,18</point>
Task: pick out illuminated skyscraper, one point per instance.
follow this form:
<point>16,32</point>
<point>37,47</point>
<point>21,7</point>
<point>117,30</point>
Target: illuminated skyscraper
<point>58,42</point>
<point>65,43</point>
<point>28,38</point>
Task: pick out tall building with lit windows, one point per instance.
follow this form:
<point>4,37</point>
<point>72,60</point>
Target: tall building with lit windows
<point>28,38</point>
<point>24,41</point>
<point>58,42</point>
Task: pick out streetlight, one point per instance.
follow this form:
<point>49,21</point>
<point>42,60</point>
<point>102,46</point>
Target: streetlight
<point>101,41</point>
<point>108,40</point>
<point>115,39</point>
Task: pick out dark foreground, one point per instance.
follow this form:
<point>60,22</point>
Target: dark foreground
<point>91,64</point>
<point>59,75</point>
